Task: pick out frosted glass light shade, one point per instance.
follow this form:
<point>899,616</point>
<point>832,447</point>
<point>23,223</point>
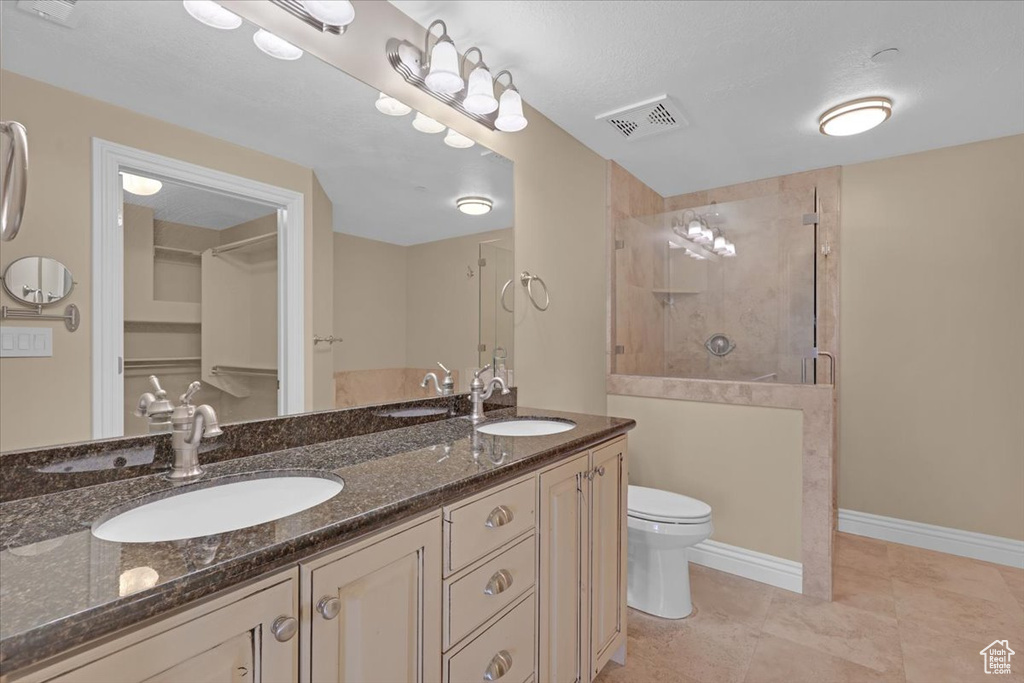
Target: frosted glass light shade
<point>855,117</point>
<point>719,244</point>
<point>510,112</point>
<point>212,14</point>
<point>480,92</point>
<point>278,48</point>
<point>425,124</point>
<point>136,184</point>
<point>730,249</point>
<point>457,140</point>
<point>331,12</point>
<point>444,75</point>
<point>388,105</point>
<point>694,229</point>
<point>474,206</point>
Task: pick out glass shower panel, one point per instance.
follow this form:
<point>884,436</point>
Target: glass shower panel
<point>497,266</point>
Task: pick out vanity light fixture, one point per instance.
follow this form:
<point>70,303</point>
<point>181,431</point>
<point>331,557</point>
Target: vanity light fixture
<point>339,13</point>
<point>276,47</point>
<point>480,90</point>
<point>457,140</point>
<point>510,107</point>
<point>138,185</point>
<point>474,206</point>
<point>388,105</point>
<point>857,116</point>
<point>443,75</point>
<point>212,14</point>
<point>425,124</point>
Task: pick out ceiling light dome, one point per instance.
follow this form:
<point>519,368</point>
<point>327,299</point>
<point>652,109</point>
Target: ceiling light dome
<point>457,140</point>
<point>330,12</point>
<point>278,48</point>
<point>474,206</point>
<point>212,14</point>
<point>851,118</point>
<point>136,184</point>
<point>425,124</point>
<point>386,104</point>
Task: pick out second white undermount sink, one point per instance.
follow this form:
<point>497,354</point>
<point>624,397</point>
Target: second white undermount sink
<point>528,427</point>
<point>218,508</point>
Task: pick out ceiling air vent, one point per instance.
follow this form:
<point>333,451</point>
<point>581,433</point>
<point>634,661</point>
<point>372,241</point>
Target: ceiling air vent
<point>658,115</point>
<point>58,11</point>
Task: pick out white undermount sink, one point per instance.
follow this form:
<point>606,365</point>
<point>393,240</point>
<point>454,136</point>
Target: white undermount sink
<point>536,427</point>
<point>217,508</point>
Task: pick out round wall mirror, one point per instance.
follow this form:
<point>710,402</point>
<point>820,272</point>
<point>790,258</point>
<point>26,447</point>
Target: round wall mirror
<point>38,281</point>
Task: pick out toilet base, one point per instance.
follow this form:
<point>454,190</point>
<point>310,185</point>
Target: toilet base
<point>659,579</point>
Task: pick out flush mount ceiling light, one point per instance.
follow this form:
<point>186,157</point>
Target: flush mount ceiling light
<point>474,206</point>
<point>457,140</point>
<point>212,14</point>
<point>443,75</point>
<point>851,118</point>
<point>425,124</point>
<point>330,12</point>
<point>136,184</point>
<point>388,105</point>
<point>480,91</point>
<point>279,48</point>
<point>510,107</point>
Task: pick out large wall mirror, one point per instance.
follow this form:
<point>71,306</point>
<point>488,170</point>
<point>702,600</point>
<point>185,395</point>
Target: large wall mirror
<point>210,137</point>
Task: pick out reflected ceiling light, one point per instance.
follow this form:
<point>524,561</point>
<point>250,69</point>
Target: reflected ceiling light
<point>279,48</point>
<point>136,184</point>
<point>443,77</point>
<point>212,14</point>
<point>474,206</point>
<point>386,104</point>
<point>510,107</point>
<point>330,12</point>
<point>425,124</point>
<point>457,140</point>
<point>851,118</point>
<point>135,580</point>
<point>480,91</point>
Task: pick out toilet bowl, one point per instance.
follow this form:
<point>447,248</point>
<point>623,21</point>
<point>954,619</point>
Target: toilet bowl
<point>662,525</point>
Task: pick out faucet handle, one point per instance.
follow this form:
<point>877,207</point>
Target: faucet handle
<point>477,373</point>
<point>186,398</point>
<point>446,370</point>
<point>158,391</point>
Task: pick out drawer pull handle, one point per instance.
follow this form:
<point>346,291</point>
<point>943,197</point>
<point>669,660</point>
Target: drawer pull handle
<point>284,628</point>
<point>328,607</point>
<point>499,583</point>
<point>499,666</point>
<point>500,516</point>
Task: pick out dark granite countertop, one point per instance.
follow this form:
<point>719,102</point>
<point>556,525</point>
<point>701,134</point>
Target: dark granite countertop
<point>61,587</point>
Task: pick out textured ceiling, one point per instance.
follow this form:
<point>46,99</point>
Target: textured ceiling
<point>386,180</point>
<point>187,205</point>
<point>753,77</point>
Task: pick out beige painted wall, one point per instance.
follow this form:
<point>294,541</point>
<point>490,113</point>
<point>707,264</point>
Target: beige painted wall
<point>744,461</point>
<point>58,223</point>
<point>560,209</point>
<point>931,402</point>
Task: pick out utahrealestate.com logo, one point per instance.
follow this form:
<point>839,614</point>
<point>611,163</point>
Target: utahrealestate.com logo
<point>997,657</point>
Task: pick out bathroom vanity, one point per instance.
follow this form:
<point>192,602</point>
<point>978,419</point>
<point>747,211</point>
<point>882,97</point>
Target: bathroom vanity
<point>450,555</point>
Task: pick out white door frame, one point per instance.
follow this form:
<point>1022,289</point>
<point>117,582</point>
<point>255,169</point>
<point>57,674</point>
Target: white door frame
<point>108,159</point>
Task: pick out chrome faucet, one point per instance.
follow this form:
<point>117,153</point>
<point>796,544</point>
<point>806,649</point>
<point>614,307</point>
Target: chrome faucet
<point>480,391</point>
<point>445,387</point>
<point>190,424</point>
<point>155,407</point>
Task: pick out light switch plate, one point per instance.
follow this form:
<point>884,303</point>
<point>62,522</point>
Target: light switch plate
<point>26,342</point>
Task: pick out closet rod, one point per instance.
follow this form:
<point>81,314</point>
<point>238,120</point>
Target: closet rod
<point>231,246</point>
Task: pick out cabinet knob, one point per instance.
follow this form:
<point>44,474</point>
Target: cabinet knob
<point>500,516</point>
<point>596,472</point>
<point>284,628</point>
<point>328,607</point>
<point>499,666</point>
<point>499,583</point>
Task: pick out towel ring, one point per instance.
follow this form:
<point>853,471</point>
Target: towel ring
<point>503,290</point>
<point>528,281</point>
<point>15,180</point>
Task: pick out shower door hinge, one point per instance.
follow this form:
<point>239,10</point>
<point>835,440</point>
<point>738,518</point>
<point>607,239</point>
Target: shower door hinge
<point>481,347</point>
<point>620,244</point>
<point>482,262</point>
<point>811,218</point>
<point>619,350</point>
<point>826,248</point>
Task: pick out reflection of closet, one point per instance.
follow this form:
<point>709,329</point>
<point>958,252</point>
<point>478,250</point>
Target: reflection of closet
<point>201,304</point>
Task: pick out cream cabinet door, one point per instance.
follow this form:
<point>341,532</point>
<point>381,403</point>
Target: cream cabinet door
<point>376,613</point>
<point>562,582</point>
<point>608,490</point>
<point>234,643</point>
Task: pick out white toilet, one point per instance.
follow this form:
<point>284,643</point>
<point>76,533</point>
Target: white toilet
<point>662,525</point>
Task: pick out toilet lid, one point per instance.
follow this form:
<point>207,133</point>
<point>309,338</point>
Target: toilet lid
<point>665,506</point>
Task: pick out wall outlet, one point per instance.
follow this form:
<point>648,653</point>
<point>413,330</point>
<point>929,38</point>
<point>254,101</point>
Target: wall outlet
<point>26,342</point>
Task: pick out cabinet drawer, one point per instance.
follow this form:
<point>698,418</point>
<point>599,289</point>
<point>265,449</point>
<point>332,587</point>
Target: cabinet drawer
<point>480,526</point>
<point>506,650</point>
<point>479,595</point>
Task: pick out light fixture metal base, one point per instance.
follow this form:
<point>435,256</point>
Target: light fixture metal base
<point>407,60</point>
<point>295,8</point>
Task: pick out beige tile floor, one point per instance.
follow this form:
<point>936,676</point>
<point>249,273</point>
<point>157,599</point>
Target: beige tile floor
<point>900,614</point>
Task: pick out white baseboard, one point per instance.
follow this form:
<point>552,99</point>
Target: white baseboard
<point>750,564</point>
<point>931,537</point>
